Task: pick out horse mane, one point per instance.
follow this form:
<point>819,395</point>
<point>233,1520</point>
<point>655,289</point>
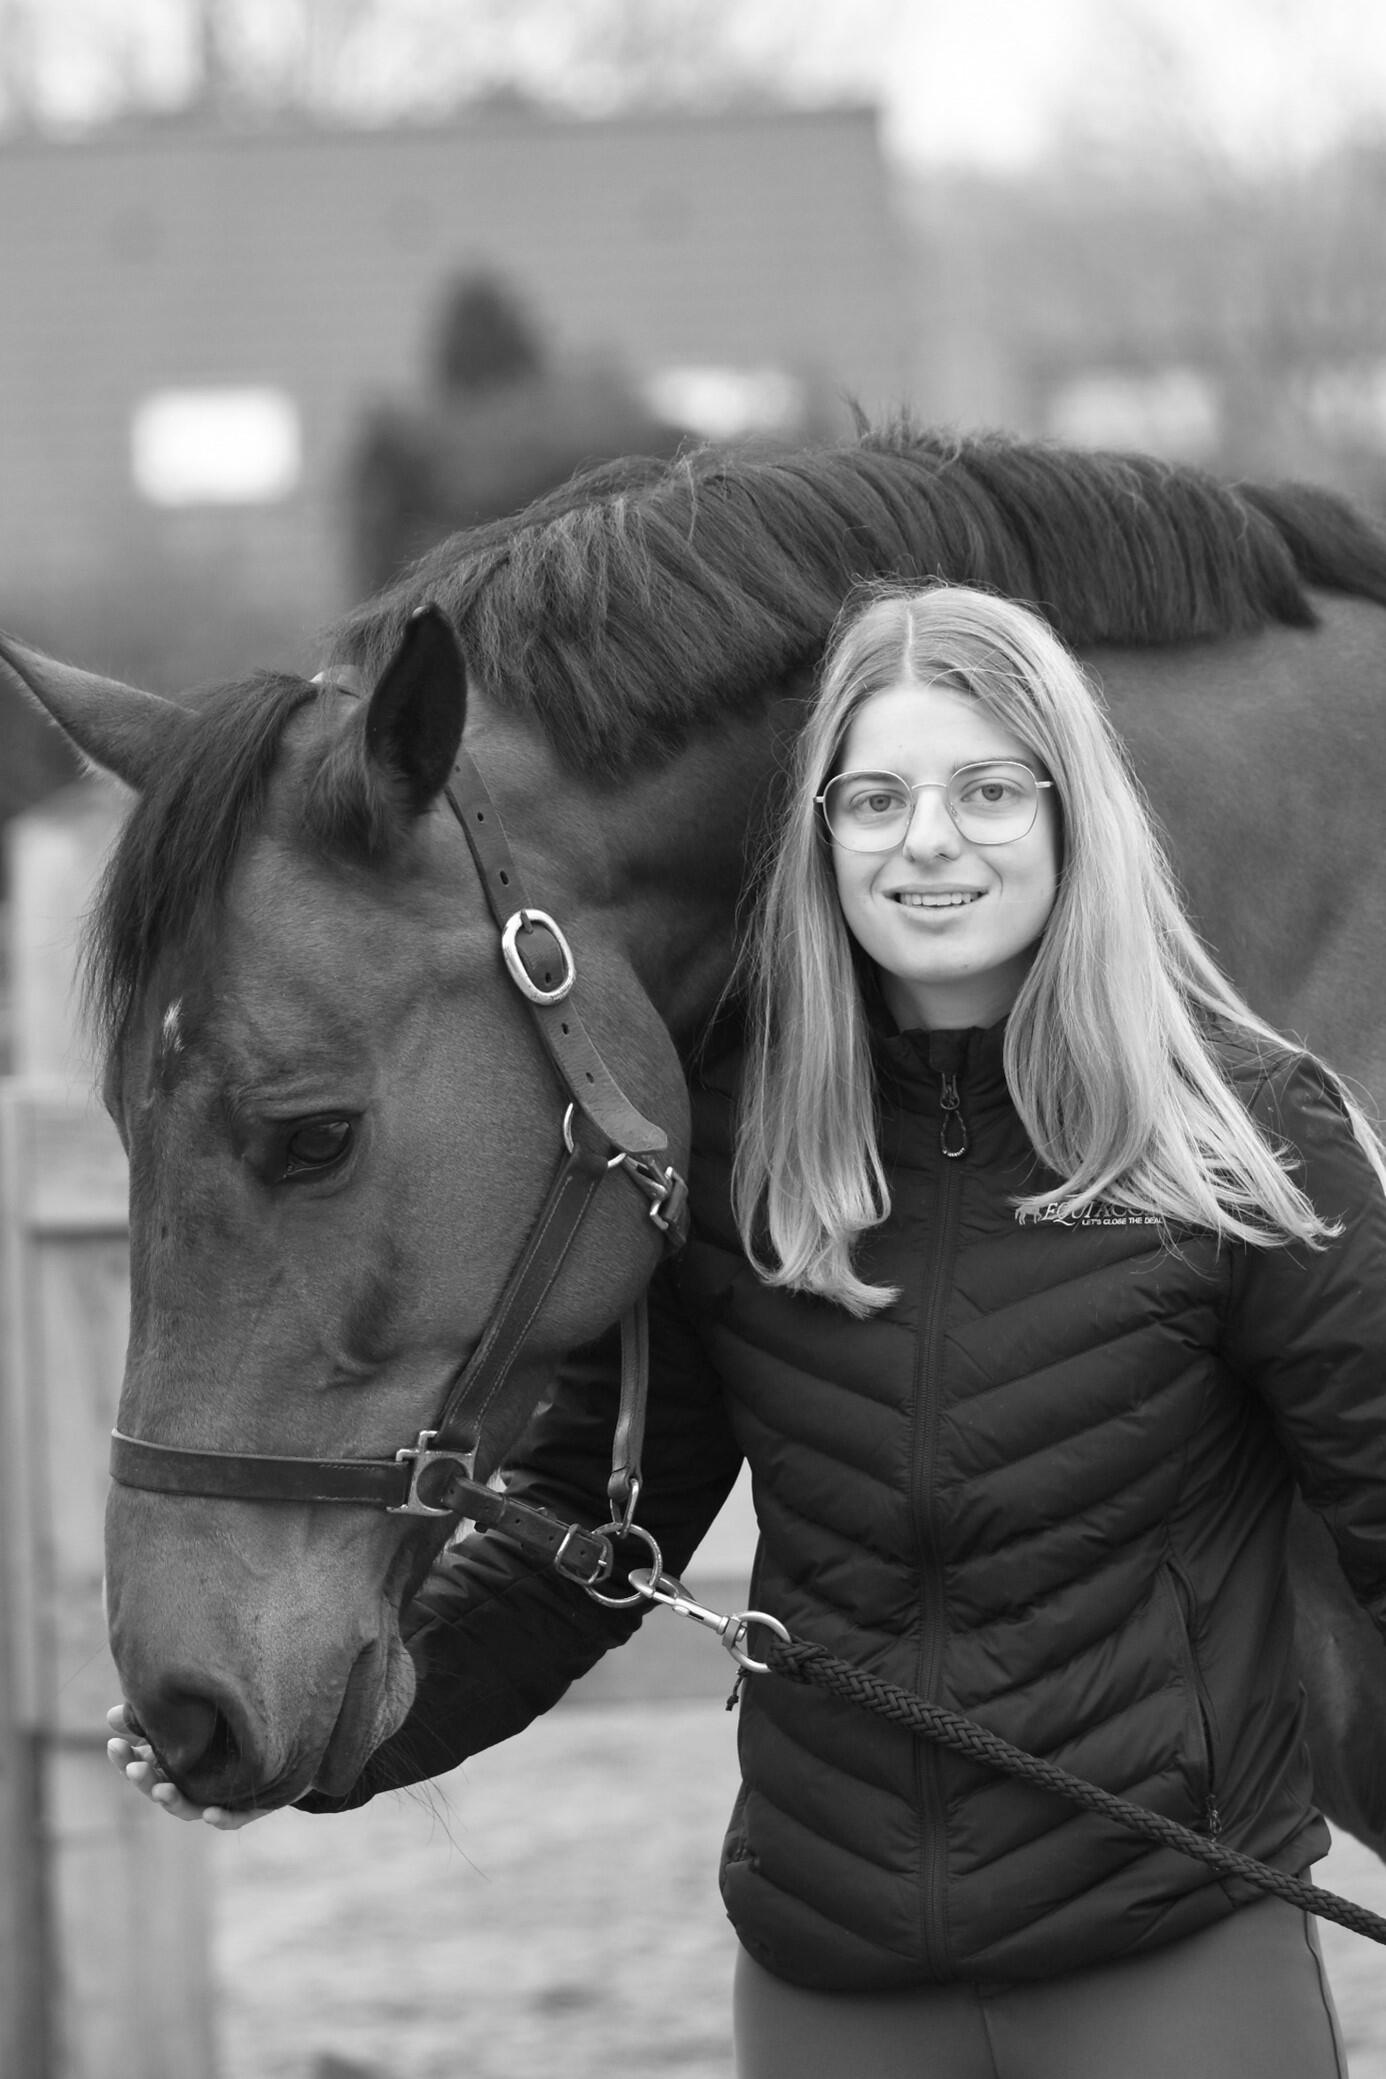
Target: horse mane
<point>645,600</point>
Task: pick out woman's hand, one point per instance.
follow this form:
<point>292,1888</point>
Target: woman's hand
<point>128,1751</point>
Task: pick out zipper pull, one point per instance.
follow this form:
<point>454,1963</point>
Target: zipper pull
<point>1212,1819</point>
<point>953,1136</point>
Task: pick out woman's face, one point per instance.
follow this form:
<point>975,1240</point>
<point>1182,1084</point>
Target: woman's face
<point>951,925</point>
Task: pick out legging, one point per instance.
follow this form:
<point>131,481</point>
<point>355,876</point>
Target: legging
<point>1245,1999</point>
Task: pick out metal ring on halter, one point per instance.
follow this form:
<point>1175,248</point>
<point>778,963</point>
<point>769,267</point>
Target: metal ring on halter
<point>525,920</point>
<point>637,1595</point>
<point>612,1161</point>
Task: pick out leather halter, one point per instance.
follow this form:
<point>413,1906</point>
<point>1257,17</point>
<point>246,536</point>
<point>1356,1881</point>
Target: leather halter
<point>444,1472</point>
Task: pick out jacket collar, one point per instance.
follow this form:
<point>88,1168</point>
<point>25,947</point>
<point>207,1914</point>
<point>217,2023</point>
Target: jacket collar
<point>913,1064</point>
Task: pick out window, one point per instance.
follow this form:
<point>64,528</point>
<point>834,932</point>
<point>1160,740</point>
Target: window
<point>216,447</point>
<point>1172,410</point>
<point>1347,404</point>
<point>727,403</point>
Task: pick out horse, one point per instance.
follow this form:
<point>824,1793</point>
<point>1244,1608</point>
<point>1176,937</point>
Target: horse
<point>339,1113</point>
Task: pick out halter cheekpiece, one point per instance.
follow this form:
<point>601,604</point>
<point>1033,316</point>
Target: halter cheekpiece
<point>602,1132</point>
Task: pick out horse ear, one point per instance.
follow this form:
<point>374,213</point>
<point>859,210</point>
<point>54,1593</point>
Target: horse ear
<point>116,727</point>
<point>414,721</point>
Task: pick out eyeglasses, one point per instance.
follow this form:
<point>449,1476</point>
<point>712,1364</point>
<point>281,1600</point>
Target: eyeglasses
<point>992,803</point>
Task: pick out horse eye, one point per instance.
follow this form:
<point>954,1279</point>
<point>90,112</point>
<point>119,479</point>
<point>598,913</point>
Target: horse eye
<point>317,1145</point>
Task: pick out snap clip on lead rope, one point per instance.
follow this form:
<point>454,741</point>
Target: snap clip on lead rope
<point>732,1629</point>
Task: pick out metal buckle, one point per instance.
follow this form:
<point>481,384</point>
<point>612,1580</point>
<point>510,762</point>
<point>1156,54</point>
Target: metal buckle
<point>665,1189</point>
<point>525,920</point>
<point>420,1457</point>
<point>601,1567</point>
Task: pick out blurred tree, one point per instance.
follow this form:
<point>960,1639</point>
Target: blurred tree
<point>20,96</point>
<point>240,61</point>
<point>496,426</point>
<point>1168,248</point>
<point>1227,227</point>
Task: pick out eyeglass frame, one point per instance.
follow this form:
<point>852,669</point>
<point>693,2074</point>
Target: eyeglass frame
<point>923,786</point>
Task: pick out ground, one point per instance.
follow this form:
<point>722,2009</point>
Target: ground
<point>553,1908</point>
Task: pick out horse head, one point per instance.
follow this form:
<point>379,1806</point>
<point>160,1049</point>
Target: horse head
<point>340,1124</point>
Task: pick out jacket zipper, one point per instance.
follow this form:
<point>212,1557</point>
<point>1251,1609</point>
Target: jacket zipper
<point>953,1136</point>
<point>1182,1590</point>
<point>953,1143</point>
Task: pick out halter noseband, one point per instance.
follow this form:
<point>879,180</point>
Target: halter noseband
<point>436,1475</point>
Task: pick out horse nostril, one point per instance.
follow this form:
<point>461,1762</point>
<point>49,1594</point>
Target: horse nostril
<point>221,1763</point>
<point>197,1747</point>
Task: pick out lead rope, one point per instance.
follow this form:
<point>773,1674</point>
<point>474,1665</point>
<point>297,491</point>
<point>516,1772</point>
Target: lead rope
<point>797,1662</point>
<point>814,1666</point>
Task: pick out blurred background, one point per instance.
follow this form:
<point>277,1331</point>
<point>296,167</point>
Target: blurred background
<point>293,288</point>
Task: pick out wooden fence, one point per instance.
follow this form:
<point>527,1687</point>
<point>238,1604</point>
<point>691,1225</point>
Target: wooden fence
<point>104,1946</point>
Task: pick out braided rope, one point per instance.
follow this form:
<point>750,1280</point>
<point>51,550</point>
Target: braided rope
<point>815,1665</point>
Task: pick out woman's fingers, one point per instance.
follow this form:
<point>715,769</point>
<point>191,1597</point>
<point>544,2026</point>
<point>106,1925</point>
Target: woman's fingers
<point>136,1762</point>
<point>135,1759</point>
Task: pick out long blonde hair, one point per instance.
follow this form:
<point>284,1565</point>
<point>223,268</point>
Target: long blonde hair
<point>1111,1050</point>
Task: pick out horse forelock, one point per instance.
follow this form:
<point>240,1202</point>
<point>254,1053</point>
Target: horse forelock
<point>642,602</point>
<point>169,870</point>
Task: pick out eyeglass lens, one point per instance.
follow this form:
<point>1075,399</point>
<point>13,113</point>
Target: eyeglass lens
<point>992,804</point>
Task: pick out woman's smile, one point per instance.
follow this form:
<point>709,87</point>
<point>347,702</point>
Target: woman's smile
<point>936,898</point>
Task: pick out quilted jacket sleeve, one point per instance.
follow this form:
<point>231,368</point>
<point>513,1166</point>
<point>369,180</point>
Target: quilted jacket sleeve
<point>1308,1327</point>
<point>497,1639</point>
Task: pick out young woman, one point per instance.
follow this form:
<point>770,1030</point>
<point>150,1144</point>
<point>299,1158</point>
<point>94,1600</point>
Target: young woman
<point>1030,1270</point>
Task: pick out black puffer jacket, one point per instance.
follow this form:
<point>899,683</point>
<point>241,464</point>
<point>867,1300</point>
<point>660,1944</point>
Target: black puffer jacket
<point>1048,1487</point>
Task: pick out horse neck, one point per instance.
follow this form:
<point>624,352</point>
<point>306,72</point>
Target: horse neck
<point>658,861</point>
<point>689,837</point>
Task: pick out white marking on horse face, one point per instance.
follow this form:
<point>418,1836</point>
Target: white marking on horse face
<point>341,678</point>
<point>171,1032</point>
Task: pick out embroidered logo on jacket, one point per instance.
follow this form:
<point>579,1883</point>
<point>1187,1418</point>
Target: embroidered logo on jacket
<point>1066,1212</point>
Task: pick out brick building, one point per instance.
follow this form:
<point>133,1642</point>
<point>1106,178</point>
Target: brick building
<point>170,289</point>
